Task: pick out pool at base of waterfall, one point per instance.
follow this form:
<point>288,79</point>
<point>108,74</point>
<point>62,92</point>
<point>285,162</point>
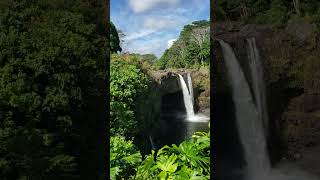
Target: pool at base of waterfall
<point>281,173</point>
<point>175,128</point>
<point>198,118</point>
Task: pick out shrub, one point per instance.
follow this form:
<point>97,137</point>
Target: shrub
<point>123,158</point>
<point>189,160</point>
<point>127,82</point>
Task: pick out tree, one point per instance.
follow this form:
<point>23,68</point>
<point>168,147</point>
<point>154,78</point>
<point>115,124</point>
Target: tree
<point>161,63</point>
<point>114,39</point>
<point>192,56</point>
<point>296,4</point>
<point>124,158</point>
<point>149,58</point>
<point>127,82</point>
<point>190,50</point>
<point>204,53</point>
<point>121,35</point>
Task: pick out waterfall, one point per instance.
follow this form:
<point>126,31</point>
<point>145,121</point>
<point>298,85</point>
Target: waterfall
<point>187,98</point>
<point>258,81</point>
<point>249,123</point>
<point>151,143</point>
<point>190,88</point>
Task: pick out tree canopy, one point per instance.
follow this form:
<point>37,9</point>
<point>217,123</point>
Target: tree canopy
<point>52,56</point>
<point>264,11</point>
<point>191,49</point>
<point>127,82</point>
<point>114,39</point>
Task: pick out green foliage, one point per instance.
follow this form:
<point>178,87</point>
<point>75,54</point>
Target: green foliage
<point>192,54</point>
<point>310,7</point>
<point>123,158</point>
<point>148,58</point>
<point>114,39</point>
<point>145,61</point>
<point>36,153</point>
<point>311,75</point>
<point>162,62</point>
<point>191,50</point>
<point>127,82</point>
<point>241,10</point>
<point>276,15</point>
<point>189,160</point>
<point>204,53</point>
<point>201,23</point>
<point>51,56</point>
<point>275,12</point>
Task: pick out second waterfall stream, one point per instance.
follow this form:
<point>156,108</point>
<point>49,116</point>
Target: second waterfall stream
<point>188,99</point>
<point>249,124</point>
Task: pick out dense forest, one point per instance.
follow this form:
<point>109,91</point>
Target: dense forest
<point>52,89</point>
<point>190,50</point>
<point>275,12</point>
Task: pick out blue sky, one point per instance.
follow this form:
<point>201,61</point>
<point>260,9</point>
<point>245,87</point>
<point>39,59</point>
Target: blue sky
<point>152,25</point>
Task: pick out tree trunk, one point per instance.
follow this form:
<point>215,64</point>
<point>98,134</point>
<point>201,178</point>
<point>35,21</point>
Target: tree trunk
<point>296,4</point>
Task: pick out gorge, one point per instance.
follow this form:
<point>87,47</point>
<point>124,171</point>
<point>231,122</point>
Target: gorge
<point>179,115</point>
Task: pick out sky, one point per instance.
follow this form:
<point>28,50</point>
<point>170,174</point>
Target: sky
<point>151,26</point>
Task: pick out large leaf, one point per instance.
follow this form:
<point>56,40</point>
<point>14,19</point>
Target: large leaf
<point>114,172</point>
<point>133,158</point>
<point>168,164</point>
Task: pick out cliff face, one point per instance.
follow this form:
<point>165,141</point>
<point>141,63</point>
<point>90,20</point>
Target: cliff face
<point>168,83</point>
<point>291,61</point>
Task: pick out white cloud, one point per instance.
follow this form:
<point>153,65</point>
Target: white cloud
<point>181,10</point>
<point>153,25</point>
<point>139,34</point>
<point>170,42</point>
<point>154,44</point>
<point>158,23</point>
<point>139,6</point>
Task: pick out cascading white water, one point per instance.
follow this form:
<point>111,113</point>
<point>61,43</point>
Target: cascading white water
<point>256,70</point>
<point>188,101</point>
<point>187,98</point>
<point>247,116</point>
<point>151,143</point>
<point>252,120</point>
<point>190,88</point>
